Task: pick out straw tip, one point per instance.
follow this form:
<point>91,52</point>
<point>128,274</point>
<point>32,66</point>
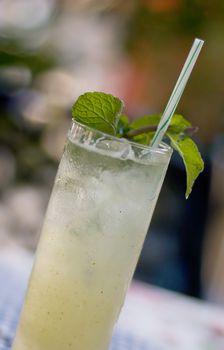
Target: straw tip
<point>198,40</point>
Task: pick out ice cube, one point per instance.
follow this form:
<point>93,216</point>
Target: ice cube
<point>116,148</point>
<point>152,157</point>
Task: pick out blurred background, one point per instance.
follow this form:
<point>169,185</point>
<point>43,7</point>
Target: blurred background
<point>51,51</point>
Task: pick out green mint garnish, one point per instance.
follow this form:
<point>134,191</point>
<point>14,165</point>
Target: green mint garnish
<point>98,110</point>
<point>104,112</point>
<point>193,162</point>
<point>178,133</point>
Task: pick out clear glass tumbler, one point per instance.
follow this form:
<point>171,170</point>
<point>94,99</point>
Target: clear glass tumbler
<point>97,218</point>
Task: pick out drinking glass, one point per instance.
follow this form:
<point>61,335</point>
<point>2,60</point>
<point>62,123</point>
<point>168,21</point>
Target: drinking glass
<point>98,215</point>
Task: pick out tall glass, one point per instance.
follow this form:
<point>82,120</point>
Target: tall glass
<point>97,218</point>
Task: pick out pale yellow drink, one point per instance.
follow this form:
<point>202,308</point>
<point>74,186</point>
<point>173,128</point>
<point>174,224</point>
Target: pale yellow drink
<point>98,215</point>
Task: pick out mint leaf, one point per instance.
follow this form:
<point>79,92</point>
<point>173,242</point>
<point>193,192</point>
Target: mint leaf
<point>142,130</point>
<point>123,126</point>
<point>193,162</point>
<point>103,112</point>
<point>179,121</point>
<point>98,110</point>
<point>179,124</point>
<point>145,121</point>
<point>144,139</point>
<point>142,126</point>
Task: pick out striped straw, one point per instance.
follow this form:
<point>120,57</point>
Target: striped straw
<point>177,92</point>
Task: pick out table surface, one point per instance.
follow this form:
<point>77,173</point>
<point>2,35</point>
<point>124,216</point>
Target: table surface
<point>151,319</point>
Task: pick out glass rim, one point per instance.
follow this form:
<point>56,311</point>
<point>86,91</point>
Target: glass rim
<point>163,147</point>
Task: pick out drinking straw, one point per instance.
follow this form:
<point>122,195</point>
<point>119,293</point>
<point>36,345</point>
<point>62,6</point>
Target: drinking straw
<point>177,92</point>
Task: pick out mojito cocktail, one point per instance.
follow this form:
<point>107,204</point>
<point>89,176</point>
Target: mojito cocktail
<point>104,195</point>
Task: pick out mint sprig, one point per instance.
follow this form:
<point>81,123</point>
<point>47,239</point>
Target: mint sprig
<point>98,110</point>
<point>193,162</point>
<point>104,112</point>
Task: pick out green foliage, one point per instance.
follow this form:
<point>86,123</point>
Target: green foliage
<point>98,110</point>
<point>123,126</point>
<point>193,162</point>
<point>103,112</point>
<point>145,121</point>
